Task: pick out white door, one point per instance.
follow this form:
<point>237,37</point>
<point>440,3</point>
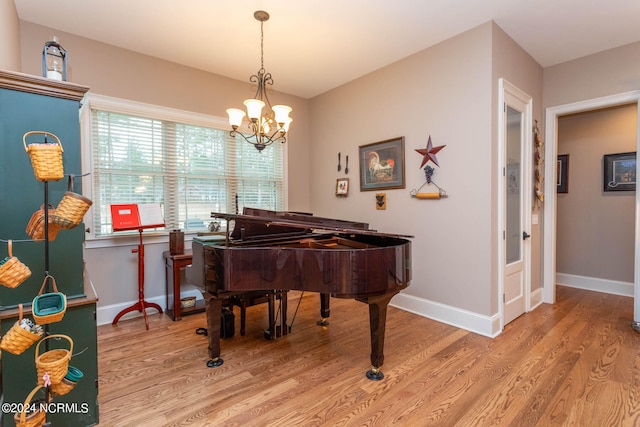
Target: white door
<point>516,202</point>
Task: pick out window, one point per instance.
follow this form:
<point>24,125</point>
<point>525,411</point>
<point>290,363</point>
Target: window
<point>185,161</point>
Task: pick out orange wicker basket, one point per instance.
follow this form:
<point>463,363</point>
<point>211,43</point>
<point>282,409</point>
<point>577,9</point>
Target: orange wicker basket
<point>35,227</point>
<point>46,158</point>
<point>32,415</point>
<point>12,271</point>
<point>68,382</point>
<point>17,339</point>
<point>54,362</point>
<point>63,387</point>
<point>71,209</point>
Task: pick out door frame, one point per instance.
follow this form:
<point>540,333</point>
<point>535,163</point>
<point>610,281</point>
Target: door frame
<point>527,131</point>
<point>550,173</point>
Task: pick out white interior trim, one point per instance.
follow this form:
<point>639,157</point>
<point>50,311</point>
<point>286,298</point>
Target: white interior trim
<point>488,326</point>
<point>550,210</point>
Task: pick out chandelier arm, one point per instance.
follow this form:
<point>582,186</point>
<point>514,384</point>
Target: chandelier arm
<point>233,133</point>
<point>277,136</point>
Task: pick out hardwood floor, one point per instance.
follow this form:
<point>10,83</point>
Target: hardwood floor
<point>574,363</point>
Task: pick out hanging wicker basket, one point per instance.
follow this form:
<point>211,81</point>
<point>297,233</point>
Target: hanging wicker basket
<point>46,158</point>
<point>50,307</point>
<point>71,209</point>
<point>12,271</point>
<point>18,339</point>
<point>68,382</point>
<point>55,362</point>
<point>32,415</point>
<point>35,227</point>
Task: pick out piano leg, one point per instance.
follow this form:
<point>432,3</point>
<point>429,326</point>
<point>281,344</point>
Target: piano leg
<point>284,328</point>
<point>324,310</point>
<point>377,323</point>
<point>270,334</point>
<point>214,314</point>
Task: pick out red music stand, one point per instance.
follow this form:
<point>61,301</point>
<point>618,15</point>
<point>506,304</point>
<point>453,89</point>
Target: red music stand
<point>137,217</point>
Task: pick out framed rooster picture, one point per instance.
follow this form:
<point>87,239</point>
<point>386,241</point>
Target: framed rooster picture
<point>382,165</point>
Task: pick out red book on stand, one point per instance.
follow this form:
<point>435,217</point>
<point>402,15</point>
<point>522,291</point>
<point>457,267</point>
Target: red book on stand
<point>135,216</point>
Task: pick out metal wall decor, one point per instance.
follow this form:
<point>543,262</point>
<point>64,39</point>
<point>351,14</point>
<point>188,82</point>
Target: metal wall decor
<point>429,154</point>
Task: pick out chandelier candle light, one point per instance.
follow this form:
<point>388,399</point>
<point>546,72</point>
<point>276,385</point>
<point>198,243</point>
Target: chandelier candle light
<point>273,125</point>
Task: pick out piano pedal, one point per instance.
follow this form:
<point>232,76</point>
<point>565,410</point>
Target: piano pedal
<point>279,332</point>
<point>323,322</point>
<point>375,374</point>
<point>214,363</point>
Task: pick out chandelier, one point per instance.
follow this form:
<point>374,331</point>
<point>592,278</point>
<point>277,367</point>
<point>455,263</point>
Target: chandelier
<point>263,129</point>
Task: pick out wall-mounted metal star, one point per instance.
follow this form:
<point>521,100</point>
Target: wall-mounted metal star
<point>429,153</point>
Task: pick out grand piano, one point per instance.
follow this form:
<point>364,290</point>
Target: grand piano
<point>273,250</point>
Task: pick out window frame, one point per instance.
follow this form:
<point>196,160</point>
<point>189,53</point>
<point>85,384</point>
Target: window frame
<point>122,106</point>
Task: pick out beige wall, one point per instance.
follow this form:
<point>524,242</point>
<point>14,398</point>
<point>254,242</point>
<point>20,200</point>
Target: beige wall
<point>120,73</point>
<point>515,65</point>
<point>9,37</point>
<point>442,92</point>
<point>448,91</point>
<point>610,72</point>
<point>595,228</point>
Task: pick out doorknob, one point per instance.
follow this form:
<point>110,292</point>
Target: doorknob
<point>525,235</point>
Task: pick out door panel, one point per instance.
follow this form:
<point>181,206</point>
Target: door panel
<point>516,203</point>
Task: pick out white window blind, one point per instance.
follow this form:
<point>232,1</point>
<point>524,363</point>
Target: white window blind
<point>191,170</point>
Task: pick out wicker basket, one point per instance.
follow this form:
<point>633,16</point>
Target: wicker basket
<point>18,339</point>
<point>68,382</point>
<point>46,158</point>
<point>71,208</point>
<point>50,307</point>
<point>28,418</point>
<point>55,362</point>
<point>35,227</point>
<point>12,271</point>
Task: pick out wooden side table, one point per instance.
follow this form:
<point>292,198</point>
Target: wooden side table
<point>173,265</point>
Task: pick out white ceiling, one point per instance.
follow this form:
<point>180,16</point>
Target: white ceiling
<point>312,46</point>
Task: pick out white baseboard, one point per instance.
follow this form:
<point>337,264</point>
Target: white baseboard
<point>474,322</point>
<point>106,314</point>
<point>594,284</point>
<point>535,299</point>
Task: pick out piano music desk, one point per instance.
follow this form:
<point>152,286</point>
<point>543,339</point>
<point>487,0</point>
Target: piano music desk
<point>173,266</point>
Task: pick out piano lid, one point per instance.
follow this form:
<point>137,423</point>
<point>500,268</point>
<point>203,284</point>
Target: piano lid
<point>256,223</point>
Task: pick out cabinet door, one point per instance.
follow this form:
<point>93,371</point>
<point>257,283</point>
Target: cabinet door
<point>21,194</point>
<point>19,374</point>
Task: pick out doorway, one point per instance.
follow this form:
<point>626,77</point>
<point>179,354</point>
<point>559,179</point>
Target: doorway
<point>550,210</point>
<point>515,124</point>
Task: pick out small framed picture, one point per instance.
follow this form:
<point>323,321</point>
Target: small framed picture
<point>342,187</point>
<point>562,184</point>
<point>619,172</point>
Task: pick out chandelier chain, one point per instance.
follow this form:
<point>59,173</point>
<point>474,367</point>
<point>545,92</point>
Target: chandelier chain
<point>261,45</point>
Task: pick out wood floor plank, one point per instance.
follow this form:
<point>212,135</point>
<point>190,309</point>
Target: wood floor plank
<point>574,363</point>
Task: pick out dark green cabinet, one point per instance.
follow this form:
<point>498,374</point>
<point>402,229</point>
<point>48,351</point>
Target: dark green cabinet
<point>30,103</point>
